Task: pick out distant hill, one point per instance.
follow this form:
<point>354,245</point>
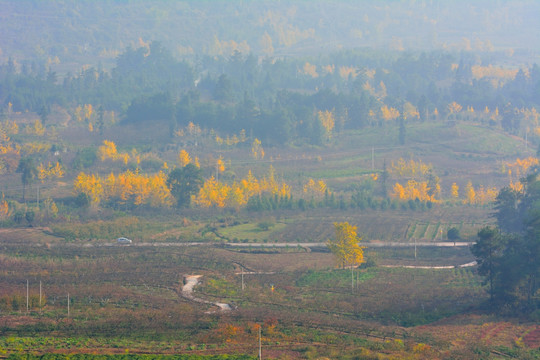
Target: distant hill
<point>74,33</point>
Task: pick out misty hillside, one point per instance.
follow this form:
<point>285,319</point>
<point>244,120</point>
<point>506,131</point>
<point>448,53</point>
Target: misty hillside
<point>85,32</point>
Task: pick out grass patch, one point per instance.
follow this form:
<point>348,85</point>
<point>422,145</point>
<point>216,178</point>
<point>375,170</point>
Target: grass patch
<point>250,231</point>
<point>334,278</point>
<point>465,277</point>
<point>219,287</point>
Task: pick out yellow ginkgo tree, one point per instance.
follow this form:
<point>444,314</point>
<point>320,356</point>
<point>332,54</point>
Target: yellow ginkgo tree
<point>345,246</point>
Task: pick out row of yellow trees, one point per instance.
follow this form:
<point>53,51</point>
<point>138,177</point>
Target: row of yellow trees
<point>50,171</point>
<point>421,190</point>
<point>152,189</point>
<point>127,187</point>
<point>214,193</point>
<point>141,189</point>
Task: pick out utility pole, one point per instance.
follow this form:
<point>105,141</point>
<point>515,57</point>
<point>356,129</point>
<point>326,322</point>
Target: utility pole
<point>352,279</point>
<point>415,249</point>
<point>38,197</point>
<point>40,297</point>
<point>372,158</point>
<point>27,296</point>
<point>243,287</point>
<point>260,347</point>
<point>68,305</point>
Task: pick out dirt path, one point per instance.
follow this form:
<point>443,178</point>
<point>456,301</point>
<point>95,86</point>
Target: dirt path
<point>473,263</point>
<point>187,292</point>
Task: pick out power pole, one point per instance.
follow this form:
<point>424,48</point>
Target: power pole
<point>26,296</point>
<point>40,297</point>
<point>243,287</point>
<point>68,305</point>
<point>352,279</point>
<point>260,347</point>
<point>372,158</point>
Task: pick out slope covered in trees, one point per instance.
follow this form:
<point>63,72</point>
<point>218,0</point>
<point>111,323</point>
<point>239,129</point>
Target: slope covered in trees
<point>74,32</point>
<point>281,101</point>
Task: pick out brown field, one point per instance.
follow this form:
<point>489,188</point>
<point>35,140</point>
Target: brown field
<point>130,298</point>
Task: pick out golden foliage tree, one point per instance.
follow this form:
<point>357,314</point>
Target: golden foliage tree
<point>50,171</point>
<point>220,164</point>
<point>414,190</point>
<point>311,70</point>
<point>212,193</point>
<point>91,185</point>
<point>9,150</point>
<point>329,69</point>
<point>35,148</point>
<point>88,111</point>
<point>4,208</point>
<point>454,108</point>
<point>257,150</point>
<point>347,72</point>
<point>345,245</point>
<point>37,128</point>
<point>78,113</point>
<point>327,121</point>
<point>389,113</point>
<point>50,207</point>
<point>107,150</point>
<point>454,191</point>
<point>410,169</point>
<point>470,194</point>
<point>517,169</point>
<point>183,158</point>
<point>315,188</point>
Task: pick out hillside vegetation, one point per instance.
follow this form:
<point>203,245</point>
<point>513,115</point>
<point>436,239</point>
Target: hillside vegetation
<point>353,200</point>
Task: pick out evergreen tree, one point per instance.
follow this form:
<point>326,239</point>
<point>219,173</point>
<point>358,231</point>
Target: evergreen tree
<point>184,182</point>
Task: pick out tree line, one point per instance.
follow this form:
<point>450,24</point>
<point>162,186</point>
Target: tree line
<point>509,255</point>
<point>283,100</point>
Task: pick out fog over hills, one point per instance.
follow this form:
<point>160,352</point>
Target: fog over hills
<point>97,31</point>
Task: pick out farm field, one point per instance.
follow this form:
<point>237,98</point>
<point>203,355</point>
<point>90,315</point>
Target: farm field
<point>129,299</point>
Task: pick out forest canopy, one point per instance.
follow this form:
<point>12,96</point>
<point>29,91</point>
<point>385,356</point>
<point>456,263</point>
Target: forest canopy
<point>281,100</point>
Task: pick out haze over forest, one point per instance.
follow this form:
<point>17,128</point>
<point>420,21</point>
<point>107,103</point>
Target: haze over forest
<point>80,31</point>
<point>350,179</point>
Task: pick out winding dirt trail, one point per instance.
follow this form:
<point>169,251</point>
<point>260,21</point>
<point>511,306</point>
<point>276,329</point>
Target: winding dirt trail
<point>187,292</point>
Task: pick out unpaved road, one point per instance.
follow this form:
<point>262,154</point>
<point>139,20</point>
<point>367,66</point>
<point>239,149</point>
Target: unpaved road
<point>187,291</point>
<point>473,263</point>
